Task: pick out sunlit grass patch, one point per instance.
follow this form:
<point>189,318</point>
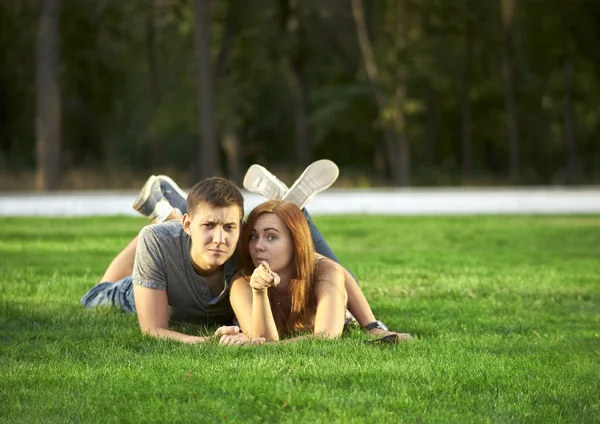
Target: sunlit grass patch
<point>505,311</point>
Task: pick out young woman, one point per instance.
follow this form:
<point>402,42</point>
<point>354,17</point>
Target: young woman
<point>283,285</point>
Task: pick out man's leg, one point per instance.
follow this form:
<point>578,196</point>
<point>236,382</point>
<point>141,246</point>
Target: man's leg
<point>119,294</point>
<point>115,286</point>
<point>122,265</point>
<point>153,203</point>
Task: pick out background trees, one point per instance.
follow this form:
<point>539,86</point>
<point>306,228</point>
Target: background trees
<point>398,92</point>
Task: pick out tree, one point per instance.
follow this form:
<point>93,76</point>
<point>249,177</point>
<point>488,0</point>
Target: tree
<point>390,96</point>
<point>571,150</point>
<point>508,13</point>
<point>467,149</point>
<point>292,63</point>
<point>48,104</point>
<point>208,152</point>
<point>154,87</point>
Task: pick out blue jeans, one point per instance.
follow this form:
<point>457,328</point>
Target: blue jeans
<point>321,245</point>
<point>111,294</point>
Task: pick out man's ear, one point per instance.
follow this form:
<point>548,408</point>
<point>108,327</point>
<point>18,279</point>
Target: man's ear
<point>186,222</point>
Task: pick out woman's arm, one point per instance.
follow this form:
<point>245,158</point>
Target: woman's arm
<point>250,303</point>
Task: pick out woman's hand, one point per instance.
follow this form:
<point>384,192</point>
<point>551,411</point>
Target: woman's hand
<point>262,278</point>
<point>239,340</point>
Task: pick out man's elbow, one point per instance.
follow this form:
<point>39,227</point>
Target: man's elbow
<point>152,330</point>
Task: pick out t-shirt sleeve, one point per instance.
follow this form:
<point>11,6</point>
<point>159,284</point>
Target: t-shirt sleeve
<point>149,266</point>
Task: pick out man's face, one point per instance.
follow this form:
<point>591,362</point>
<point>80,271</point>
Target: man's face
<point>214,232</point>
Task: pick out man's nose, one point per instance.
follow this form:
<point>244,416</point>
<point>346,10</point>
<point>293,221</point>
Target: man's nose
<point>218,235</point>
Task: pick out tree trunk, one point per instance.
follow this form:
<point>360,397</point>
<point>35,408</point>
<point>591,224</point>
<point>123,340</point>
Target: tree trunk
<point>208,152</point>
<point>467,149</point>
<point>48,102</point>
<point>431,127</point>
<point>153,78</point>
<point>508,8</point>
<point>303,142</point>
<point>402,176</point>
<point>571,171</point>
<point>230,141</point>
<point>293,70</point>
<point>233,151</point>
<point>379,161</point>
<point>396,142</point>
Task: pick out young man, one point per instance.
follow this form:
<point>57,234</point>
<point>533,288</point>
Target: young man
<point>182,268</point>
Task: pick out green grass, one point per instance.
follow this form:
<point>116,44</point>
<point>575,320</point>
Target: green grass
<point>506,311</point>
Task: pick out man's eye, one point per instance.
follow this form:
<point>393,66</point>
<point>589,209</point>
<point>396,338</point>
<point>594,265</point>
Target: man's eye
<point>230,227</point>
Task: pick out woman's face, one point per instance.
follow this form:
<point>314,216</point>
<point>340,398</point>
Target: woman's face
<point>271,242</point>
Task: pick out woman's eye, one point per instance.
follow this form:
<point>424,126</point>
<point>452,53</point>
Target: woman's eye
<point>253,237</point>
<point>271,238</point>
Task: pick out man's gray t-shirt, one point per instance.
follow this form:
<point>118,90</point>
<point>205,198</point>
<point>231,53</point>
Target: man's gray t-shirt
<point>163,262</point>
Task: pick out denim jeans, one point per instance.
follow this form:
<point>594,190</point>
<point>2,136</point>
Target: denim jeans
<point>321,245</point>
<point>111,294</point>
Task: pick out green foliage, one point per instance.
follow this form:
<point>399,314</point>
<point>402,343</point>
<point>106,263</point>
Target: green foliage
<point>128,79</point>
<point>505,310</point>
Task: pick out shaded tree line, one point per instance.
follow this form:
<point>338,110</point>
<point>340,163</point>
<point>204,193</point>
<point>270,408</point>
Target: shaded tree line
<point>398,92</point>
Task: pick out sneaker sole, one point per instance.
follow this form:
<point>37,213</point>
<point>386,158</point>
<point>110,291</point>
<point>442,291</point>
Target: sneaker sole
<point>257,173</point>
<point>144,193</point>
<point>317,177</point>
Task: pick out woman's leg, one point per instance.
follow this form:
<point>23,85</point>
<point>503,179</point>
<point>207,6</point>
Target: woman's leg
<point>357,303</point>
<point>321,245</point>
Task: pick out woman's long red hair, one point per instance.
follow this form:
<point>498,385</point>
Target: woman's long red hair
<point>301,288</point>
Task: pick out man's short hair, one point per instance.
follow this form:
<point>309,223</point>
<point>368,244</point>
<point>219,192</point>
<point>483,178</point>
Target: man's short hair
<point>217,192</point>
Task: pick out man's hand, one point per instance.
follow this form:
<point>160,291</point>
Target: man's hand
<point>239,340</point>
<point>263,278</point>
<point>227,330</point>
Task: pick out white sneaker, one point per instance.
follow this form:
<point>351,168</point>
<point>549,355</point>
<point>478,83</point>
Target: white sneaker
<point>319,176</point>
<point>260,181</point>
<point>151,202</point>
<point>173,193</point>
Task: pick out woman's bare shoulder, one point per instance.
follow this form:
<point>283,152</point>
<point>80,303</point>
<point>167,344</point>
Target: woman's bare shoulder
<point>238,278</point>
<point>324,263</point>
<point>328,270</point>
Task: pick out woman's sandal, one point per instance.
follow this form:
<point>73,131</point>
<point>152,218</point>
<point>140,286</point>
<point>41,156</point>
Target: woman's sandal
<point>392,338</point>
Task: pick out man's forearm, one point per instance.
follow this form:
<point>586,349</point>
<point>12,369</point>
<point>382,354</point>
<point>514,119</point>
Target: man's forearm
<point>165,333</point>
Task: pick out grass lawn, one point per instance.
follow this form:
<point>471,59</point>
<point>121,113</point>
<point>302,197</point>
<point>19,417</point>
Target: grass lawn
<point>506,311</point>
